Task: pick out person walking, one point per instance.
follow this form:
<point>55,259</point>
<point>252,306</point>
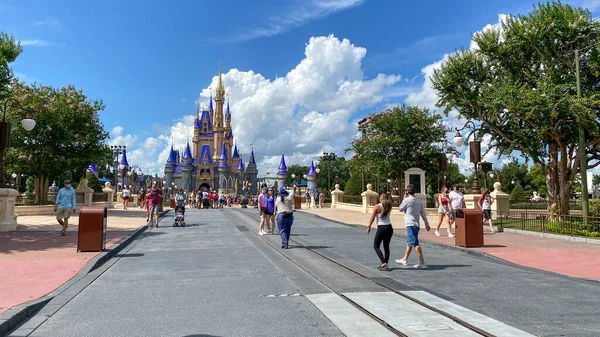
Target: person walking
<point>485,203</point>
<point>316,199</point>
<point>64,206</point>
<point>142,198</point>
<point>307,196</point>
<point>285,215</point>
<point>457,202</point>
<point>270,211</point>
<point>381,213</point>
<point>413,210</point>
<point>125,195</point>
<point>155,198</point>
<point>444,211</point>
<point>262,206</point>
<point>321,199</point>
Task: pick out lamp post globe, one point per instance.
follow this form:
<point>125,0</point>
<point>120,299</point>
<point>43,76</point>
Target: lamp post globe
<point>449,156</point>
<point>14,175</point>
<point>293,176</point>
<point>458,139</point>
<point>318,170</point>
<point>28,124</point>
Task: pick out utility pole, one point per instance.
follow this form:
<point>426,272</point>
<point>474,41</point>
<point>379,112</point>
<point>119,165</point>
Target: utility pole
<point>582,151</point>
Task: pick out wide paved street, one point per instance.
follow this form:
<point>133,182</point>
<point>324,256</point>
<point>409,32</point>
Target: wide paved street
<point>216,277</point>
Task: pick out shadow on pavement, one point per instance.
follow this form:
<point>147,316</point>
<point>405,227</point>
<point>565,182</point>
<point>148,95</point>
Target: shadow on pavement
<point>16,241</point>
<point>130,255</point>
<point>201,335</point>
<point>441,266</point>
<point>319,247</point>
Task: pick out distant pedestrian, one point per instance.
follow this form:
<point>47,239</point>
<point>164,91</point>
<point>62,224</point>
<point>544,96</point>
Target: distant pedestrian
<point>321,199</point>
<point>262,206</point>
<point>307,196</point>
<point>270,213</point>
<point>444,212</point>
<point>457,201</point>
<point>155,198</point>
<point>413,210</point>
<point>316,199</point>
<point>382,212</point>
<point>285,215</point>
<point>64,206</point>
<point>142,198</point>
<point>485,203</point>
<point>125,195</point>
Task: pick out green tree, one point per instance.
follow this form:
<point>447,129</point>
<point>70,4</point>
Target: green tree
<point>67,137</point>
<point>520,85</point>
<point>354,185</point>
<point>299,171</point>
<point>537,180</point>
<point>9,51</point>
<point>397,139</point>
<point>333,172</point>
<point>93,182</point>
<point>518,193</point>
<point>514,171</point>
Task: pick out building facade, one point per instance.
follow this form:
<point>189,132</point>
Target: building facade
<point>213,161</point>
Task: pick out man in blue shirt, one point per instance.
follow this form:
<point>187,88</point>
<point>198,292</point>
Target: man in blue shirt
<point>65,205</point>
<point>413,210</point>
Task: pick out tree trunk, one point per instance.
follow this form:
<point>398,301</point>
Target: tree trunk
<point>566,182</point>
<point>552,182</point>
<point>36,189</point>
<point>44,188</point>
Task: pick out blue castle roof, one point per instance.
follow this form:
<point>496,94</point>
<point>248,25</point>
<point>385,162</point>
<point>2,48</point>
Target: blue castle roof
<point>188,152</point>
<point>282,167</point>
<point>236,154</point>
<point>124,159</point>
<point>205,116</point>
<point>92,168</point>
<point>227,113</point>
<point>205,155</point>
<point>311,170</point>
<point>223,157</point>
<point>210,105</point>
<point>252,160</point>
<point>241,165</point>
<point>172,156</point>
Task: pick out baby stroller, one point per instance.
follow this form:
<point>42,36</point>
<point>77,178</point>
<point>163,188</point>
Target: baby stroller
<point>206,203</point>
<point>179,219</point>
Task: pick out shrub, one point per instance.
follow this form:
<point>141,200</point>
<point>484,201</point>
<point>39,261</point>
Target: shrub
<point>594,207</point>
<point>93,182</point>
<point>353,186</point>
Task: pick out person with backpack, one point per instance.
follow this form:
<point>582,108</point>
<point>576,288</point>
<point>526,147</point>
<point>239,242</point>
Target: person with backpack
<point>285,215</point>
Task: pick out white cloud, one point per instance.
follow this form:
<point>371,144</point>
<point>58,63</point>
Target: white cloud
<point>296,15</point>
<point>35,43</point>
<point>47,22</point>
<point>306,112</point>
<point>116,131</point>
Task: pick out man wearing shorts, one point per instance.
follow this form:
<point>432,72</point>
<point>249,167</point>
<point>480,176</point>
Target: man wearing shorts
<point>413,210</point>
<point>65,205</point>
<point>155,198</point>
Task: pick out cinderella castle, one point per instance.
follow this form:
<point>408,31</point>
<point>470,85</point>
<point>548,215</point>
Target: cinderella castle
<point>214,162</point>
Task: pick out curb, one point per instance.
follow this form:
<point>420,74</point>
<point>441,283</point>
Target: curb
<point>15,316</point>
<point>554,236</point>
<point>467,251</point>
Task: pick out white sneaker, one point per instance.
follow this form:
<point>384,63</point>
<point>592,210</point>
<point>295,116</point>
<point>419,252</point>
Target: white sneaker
<point>402,262</point>
<point>421,266</point>
<point>437,233</point>
<point>450,235</point>
<point>261,233</point>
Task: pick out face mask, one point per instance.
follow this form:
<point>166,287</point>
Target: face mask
<point>68,185</point>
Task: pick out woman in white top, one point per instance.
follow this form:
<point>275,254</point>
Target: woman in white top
<point>382,212</point>
<point>485,203</point>
<point>126,194</point>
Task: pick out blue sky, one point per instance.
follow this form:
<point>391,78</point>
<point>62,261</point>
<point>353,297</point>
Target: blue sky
<point>149,61</point>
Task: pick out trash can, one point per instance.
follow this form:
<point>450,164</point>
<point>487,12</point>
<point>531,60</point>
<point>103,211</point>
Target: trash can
<point>173,203</point>
<point>297,202</point>
<point>469,228</point>
<point>91,236</point>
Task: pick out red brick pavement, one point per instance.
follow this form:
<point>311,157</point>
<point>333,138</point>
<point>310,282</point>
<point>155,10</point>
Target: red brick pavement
<point>34,263</point>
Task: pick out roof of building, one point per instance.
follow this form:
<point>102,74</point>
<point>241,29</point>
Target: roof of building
<point>124,159</point>
<point>236,154</point>
<point>227,113</point>
<point>282,166</point>
<point>205,154</point>
<point>241,165</point>
<point>188,152</point>
<point>252,160</point>
<point>311,170</point>
<point>172,156</point>
<point>210,105</point>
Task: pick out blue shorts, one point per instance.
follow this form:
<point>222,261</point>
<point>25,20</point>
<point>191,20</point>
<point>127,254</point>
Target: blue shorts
<point>412,236</point>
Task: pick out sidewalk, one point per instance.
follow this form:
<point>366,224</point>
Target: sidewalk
<point>558,256</point>
<point>35,259</point>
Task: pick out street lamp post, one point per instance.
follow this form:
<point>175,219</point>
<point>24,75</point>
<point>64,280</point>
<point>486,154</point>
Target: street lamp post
<point>117,150</point>
<point>329,157</point>
<point>27,123</point>
<point>474,151</point>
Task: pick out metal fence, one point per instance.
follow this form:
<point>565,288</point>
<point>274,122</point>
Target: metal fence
<point>542,221</point>
<point>29,200</point>
<point>539,205</point>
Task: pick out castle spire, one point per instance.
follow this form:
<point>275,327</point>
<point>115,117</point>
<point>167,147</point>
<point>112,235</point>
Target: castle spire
<point>311,170</point>
<point>227,113</point>
<point>188,152</point>
<point>235,151</point>
<point>210,105</point>
<point>220,88</point>
<point>241,165</point>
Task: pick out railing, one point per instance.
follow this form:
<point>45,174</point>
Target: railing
<point>29,200</point>
<point>542,221</point>
<point>99,197</point>
<point>541,205</point>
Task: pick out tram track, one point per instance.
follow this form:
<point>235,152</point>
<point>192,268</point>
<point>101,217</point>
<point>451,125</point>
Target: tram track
<point>332,288</point>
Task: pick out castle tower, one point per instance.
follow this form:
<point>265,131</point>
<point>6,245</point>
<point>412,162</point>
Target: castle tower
<point>251,174</point>
<point>282,174</point>
<point>240,183</point>
<point>197,129</point>
<point>218,119</point>
<point>170,167</point>
<point>186,169</point>
<point>223,170</point>
<point>235,157</point>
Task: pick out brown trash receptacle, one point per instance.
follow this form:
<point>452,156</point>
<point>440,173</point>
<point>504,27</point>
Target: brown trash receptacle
<point>91,236</point>
<point>297,202</point>
<point>469,228</point>
<point>173,203</point>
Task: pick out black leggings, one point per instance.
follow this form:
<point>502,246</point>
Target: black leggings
<point>384,233</point>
